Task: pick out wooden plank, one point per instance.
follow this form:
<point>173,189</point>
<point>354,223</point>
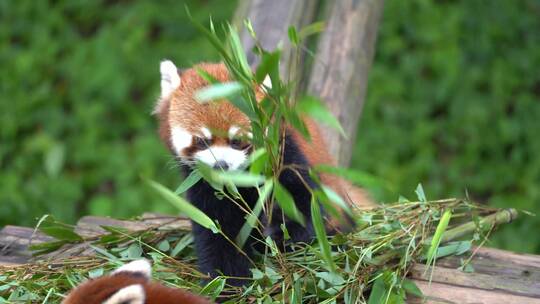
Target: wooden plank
<point>438,293</point>
<point>14,242</point>
<point>90,226</point>
<point>492,261</point>
<point>522,286</point>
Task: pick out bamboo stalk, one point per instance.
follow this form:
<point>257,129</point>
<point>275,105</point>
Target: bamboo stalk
<point>500,217</point>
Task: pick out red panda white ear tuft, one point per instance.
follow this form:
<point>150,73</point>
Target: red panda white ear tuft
<point>132,294</point>
<point>170,80</point>
<point>139,267</point>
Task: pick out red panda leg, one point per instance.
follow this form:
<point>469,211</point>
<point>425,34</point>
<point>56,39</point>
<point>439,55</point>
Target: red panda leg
<point>298,182</point>
<point>216,255</point>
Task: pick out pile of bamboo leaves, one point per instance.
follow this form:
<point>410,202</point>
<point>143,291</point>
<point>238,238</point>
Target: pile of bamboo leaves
<point>369,265</point>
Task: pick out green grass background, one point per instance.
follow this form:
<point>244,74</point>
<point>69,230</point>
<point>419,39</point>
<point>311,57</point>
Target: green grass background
<point>453,102</point>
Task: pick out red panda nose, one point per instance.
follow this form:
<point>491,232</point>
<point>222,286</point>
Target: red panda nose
<point>221,165</point>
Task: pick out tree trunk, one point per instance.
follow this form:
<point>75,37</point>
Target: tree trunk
<point>344,54</point>
<point>340,72</point>
<point>271,20</point>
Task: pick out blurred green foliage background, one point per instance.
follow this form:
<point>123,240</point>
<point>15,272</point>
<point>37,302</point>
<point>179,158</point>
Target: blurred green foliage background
<point>453,103</point>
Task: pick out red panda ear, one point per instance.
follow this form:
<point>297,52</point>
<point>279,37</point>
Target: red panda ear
<point>170,79</point>
<point>138,267</point>
<point>132,294</point>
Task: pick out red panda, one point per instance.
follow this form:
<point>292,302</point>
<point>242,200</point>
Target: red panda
<point>130,284</point>
<point>214,133</point>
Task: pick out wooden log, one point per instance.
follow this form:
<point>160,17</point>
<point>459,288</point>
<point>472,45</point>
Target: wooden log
<point>520,285</point>
<point>499,276</point>
<point>437,293</point>
<point>14,242</point>
<point>340,71</point>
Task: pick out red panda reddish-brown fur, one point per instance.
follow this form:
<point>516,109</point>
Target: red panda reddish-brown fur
<point>182,107</point>
<point>97,291</point>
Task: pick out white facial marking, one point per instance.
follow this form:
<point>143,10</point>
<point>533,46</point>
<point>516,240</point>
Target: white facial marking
<point>234,158</point>
<point>180,139</point>
<point>141,266</point>
<point>132,294</point>
<point>170,80</point>
<point>233,130</point>
<point>206,133</point>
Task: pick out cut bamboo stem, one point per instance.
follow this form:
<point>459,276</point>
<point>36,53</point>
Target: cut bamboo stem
<point>500,217</point>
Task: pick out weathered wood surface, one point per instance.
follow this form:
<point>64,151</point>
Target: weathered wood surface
<point>271,28</point>
<point>340,72</point>
<point>499,276</point>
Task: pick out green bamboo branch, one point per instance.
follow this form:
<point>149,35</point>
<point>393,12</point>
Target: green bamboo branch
<point>503,216</point>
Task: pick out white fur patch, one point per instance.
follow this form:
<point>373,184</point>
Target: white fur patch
<point>233,130</point>
<point>141,266</point>
<point>132,294</point>
<point>170,80</point>
<point>180,139</point>
<point>206,133</point>
<point>234,158</point>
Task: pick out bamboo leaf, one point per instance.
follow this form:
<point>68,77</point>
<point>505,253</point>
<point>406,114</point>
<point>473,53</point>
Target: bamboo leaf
<point>293,35</point>
<point>355,176</point>
<point>213,288</point>
<point>269,65</point>
<point>211,36</point>
<point>182,244</point>
<point>453,248</point>
<point>248,226</point>
<point>378,291</point>
<point>134,251</point>
<point>286,202</point>
<point>218,91</point>
<point>420,193</point>
<point>410,287</point>
<point>258,161</point>
<point>336,199</point>
<point>61,233</point>
<point>238,51</point>
<point>239,178</point>
<point>315,108</point>
<point>436,240</point>
<point>183,206</point>
<point>314,28</point>
<point>193,178</point>
<point>320,232</point>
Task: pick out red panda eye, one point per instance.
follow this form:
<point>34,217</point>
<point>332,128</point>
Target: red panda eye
<point>238,144</point>
<point>202,143</point>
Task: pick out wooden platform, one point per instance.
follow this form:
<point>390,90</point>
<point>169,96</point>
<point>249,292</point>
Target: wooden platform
<point>498,277</point>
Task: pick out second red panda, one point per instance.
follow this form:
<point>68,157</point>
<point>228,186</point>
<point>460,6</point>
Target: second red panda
<point>215,133</point>
<point>130,284</point>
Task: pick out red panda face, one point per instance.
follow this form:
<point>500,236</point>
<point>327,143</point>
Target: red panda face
<point>215,133</point>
